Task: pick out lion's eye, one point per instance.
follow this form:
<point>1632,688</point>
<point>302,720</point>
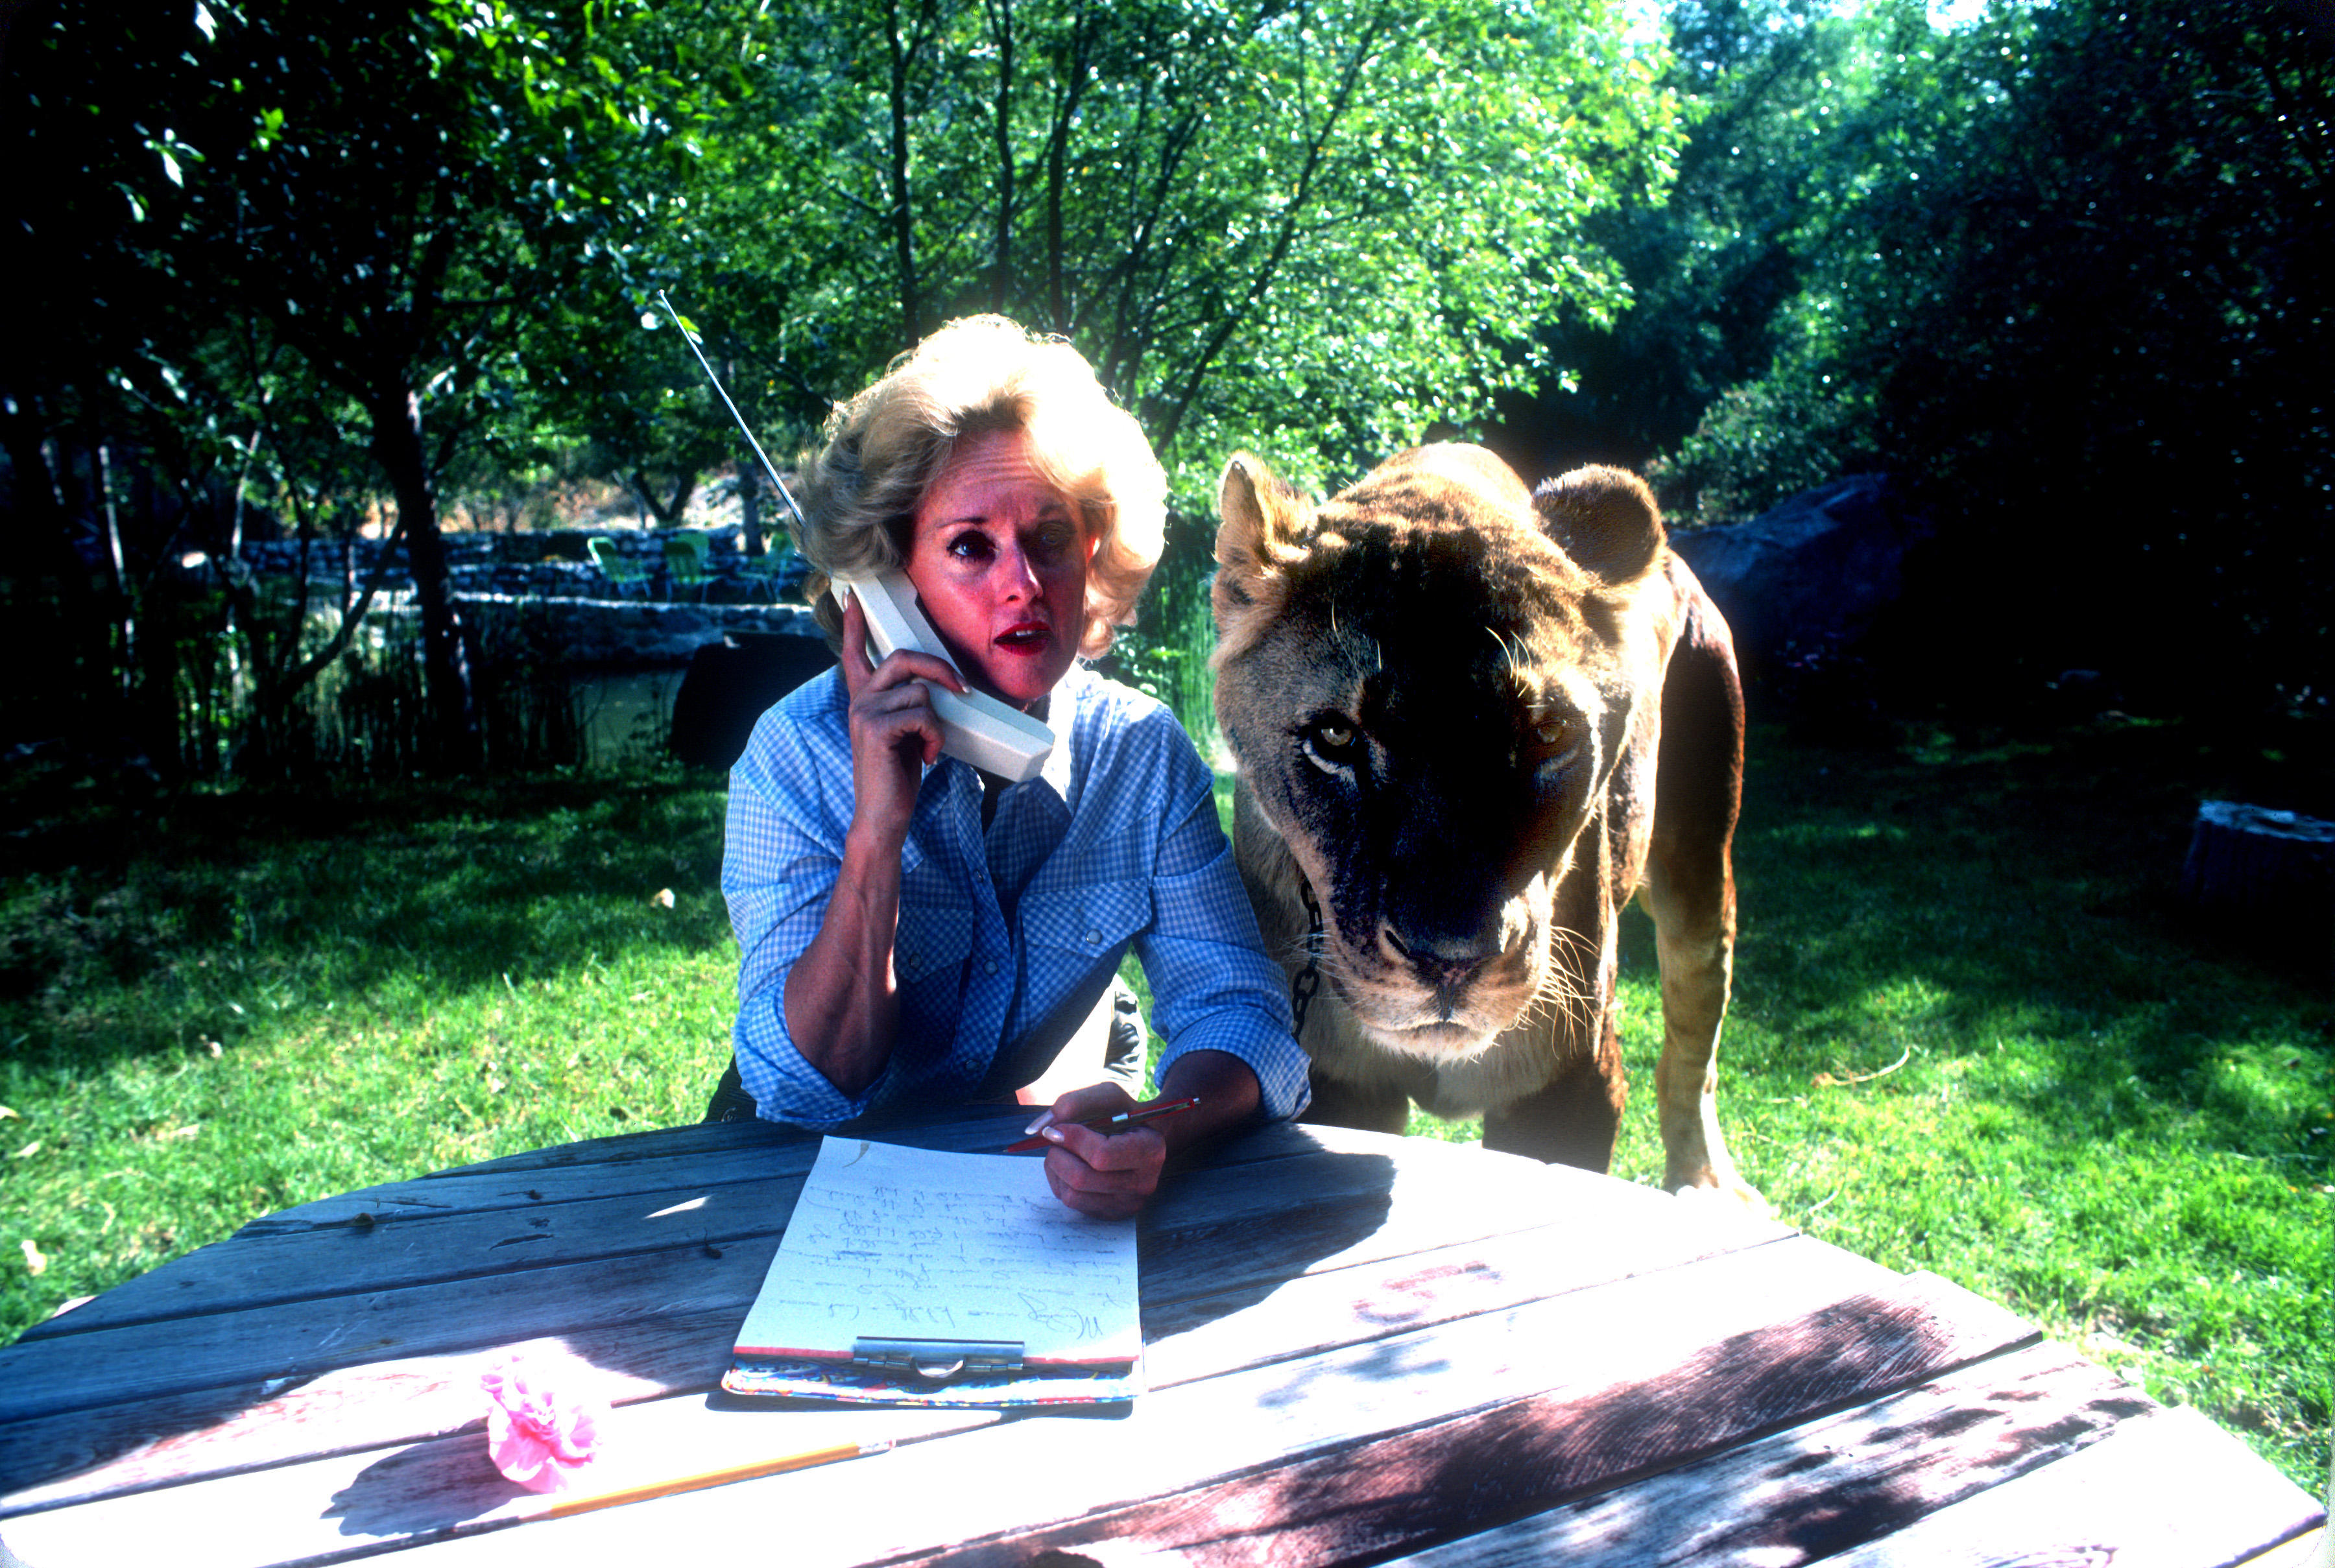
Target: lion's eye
<point>1551,737</point>
<point>1330,745</point>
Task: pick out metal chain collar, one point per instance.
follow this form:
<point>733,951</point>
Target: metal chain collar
<point>1307,981</point>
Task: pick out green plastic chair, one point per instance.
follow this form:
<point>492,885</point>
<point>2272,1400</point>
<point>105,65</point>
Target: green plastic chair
<point>622,571</point>
<point>766,570</point>
<point>685,564</point>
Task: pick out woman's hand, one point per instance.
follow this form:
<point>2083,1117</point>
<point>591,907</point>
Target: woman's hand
<point>894,732</point>
<point>1106,1178</point>
<point>1111,1178</point>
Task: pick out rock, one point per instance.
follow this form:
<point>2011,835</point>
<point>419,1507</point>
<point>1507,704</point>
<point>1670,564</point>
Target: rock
<point>2255,869</point>
<point>729,685</point>
<point>1814,573</point>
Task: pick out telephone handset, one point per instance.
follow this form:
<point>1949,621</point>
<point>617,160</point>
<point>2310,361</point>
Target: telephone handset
<point>976,727</point>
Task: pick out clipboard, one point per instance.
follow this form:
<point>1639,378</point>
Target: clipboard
<point>915,1276</point>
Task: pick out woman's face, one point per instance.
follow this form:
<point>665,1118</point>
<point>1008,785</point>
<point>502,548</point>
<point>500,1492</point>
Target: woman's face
<point>999,560</point>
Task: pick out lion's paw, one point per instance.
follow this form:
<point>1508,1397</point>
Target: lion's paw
<point>1731,1199</point>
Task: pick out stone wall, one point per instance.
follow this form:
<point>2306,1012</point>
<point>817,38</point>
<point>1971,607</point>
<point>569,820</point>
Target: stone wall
<point>553,563</point>
<point>610,633</point>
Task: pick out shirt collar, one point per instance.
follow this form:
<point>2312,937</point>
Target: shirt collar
<point>1061,712</point>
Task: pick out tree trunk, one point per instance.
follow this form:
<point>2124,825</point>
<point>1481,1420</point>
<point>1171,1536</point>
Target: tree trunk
<point>1001,285</point>
<point>397,442</point>
<point>750,502</point>
<point>904,227</point>
<point>80,624</point>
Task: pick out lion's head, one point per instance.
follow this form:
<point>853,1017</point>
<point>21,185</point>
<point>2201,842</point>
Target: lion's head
<point>1428,682</point>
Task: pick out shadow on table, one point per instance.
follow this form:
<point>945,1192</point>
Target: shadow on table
<point>1287,1216</point>
<point>418,1492</point>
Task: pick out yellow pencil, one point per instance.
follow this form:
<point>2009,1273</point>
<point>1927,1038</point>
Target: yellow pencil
<point>562,1507</point>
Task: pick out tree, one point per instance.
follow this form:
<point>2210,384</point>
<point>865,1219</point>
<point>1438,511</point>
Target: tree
<point>2065,283</point>
<point>392,191</point>
<point>1712,263</point>
<point>1313,226</point>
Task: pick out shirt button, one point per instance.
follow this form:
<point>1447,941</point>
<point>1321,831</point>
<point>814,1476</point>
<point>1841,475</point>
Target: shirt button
<point>989,966</point>
<point>1094,938</point>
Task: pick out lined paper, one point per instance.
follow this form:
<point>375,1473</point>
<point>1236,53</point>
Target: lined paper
<point>890,1241</point>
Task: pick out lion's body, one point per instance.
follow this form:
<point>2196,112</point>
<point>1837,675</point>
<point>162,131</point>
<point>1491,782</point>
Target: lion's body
<point>1474,722</point>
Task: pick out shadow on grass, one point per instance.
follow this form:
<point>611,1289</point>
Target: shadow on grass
<point>124,932</point>
<point>2019,898</point>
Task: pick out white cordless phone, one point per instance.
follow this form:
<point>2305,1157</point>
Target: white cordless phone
<point>976,727</point>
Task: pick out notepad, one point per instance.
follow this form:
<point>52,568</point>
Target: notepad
<point>948,1255</point>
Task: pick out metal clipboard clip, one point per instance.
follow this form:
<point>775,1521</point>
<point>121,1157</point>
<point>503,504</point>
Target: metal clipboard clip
<point>936,1360</point>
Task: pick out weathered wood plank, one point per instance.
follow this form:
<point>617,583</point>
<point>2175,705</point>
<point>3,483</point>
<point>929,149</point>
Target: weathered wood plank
<point>1204,1335</point>
<point>1833,1484</point>
<point>87,1454</point>
<point>698,1138</point>
<point>2173,1490</point>
<point>253,1271</point>
<point>149,1442</point>
<point>1413,1484</point>
<point>302,1339</point>
<point>304,1302</point>
<point>1218,1229</point>
<point>462,1223</point>
<point>1237,1432</point>
<point>352,1505</point>
<point>1198,1432</point>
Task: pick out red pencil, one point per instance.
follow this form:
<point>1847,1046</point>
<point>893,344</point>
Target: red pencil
<point>1111,1124</point>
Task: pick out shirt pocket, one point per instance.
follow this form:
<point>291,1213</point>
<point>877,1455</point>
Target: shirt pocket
<point>930,938</point>
<point>1091,921</point>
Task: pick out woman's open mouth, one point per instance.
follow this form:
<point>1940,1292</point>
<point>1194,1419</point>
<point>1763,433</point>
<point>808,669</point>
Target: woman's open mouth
<point>1029,637</point>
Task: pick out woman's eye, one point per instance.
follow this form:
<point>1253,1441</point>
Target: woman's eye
<point>970,546</point>
<point>1052,541</point>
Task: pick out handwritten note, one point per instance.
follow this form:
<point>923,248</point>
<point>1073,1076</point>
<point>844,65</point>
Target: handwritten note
<point>897,1243</point>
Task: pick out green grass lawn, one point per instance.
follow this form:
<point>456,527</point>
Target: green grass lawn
<point>229,1003</point>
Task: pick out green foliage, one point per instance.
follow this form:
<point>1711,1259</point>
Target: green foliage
<point>1711,264</point>
<point>286,258</point>
<point>2055,280</point>
<point>1311,231</point>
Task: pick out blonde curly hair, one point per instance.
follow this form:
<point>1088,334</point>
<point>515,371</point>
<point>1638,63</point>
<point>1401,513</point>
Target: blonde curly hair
<point>884,448</point>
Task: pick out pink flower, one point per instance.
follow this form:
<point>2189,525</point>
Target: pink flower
<point>538,1435</point>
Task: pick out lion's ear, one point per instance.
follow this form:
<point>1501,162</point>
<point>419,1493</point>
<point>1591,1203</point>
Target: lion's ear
<point>1262,527</point>
<point>1606,519</point>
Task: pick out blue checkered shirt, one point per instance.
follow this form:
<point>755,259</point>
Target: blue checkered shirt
<point>1115,843</point>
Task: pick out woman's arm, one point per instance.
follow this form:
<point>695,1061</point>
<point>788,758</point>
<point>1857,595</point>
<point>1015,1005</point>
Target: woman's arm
<point>842,998</point>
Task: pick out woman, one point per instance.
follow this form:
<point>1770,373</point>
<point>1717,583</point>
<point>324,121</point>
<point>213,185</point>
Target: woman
<point>915,931</point>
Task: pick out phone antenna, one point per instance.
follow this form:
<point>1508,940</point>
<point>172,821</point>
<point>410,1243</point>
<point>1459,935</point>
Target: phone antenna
<point>769,467</point>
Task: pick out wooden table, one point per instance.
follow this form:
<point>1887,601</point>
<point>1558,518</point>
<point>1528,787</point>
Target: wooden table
<point>1359,1348</point>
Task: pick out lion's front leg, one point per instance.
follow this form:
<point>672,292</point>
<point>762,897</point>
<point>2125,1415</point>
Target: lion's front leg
<point>1376,1108</point>
<point>1689,890</point>
<point>1696,968</point>
<point>1572,1120</point>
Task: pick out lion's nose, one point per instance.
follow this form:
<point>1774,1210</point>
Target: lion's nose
<point>1444,963</point>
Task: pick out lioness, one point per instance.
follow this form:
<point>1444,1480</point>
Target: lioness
<point>1470,722</point>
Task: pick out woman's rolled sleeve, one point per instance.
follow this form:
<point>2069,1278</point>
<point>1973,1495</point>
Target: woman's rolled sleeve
<point>1212,987</point>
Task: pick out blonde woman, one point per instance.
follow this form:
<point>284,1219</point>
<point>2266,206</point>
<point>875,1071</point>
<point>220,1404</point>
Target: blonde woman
<point>915,931</point>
